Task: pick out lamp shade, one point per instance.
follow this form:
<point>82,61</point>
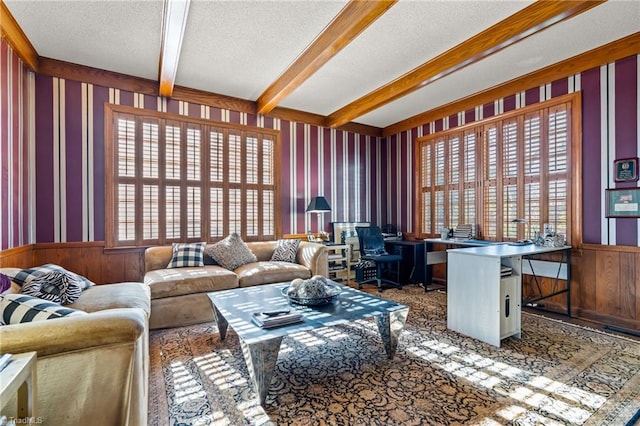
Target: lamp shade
<point>318,205</point>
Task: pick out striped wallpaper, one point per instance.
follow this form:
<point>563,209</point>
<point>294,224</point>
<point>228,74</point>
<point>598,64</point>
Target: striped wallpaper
<point>17,146</point>
<point>55,193</point>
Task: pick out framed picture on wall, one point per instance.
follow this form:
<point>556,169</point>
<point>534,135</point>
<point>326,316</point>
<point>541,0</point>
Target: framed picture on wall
<point>343,230</point>
<point>626,169</point>
<point>623,202</point>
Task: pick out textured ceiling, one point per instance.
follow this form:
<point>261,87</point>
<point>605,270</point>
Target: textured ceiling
<point>238,48</point>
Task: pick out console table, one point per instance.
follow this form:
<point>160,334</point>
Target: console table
<point>483,304</point>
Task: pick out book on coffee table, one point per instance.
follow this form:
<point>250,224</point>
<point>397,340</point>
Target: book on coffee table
<point>5,359</point>
<point>271,319</point>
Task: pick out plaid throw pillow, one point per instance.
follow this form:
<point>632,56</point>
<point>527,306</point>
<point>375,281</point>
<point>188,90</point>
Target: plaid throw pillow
<point>24,276</point>
<point>286,251</point>
<point>187,254</point>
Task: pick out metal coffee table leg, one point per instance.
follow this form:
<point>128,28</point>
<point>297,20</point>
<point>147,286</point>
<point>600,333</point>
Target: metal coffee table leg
<point>222,323</point>
<point>390,325</point>
<point>261,360</point>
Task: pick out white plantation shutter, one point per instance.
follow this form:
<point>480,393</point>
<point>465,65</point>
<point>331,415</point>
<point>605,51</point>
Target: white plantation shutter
<point>425,192</point>
<point>181,179</point>
<point>532,174</point>
<point>440,180</point>
<point>468,202</point>
<point>509,167</point>
<point>489,223</point>
<point>558,173</point>
<point>453,188</point>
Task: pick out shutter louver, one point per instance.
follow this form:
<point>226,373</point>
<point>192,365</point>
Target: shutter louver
<point>172,212</point>
<point>172,149</point>
<point>216,211</point>
<point>126,212</point>
<point>216,156</point>
<point>150,218</point>
<point>126,148</point>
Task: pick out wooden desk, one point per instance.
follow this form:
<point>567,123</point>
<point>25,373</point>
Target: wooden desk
<point>435,257</point>
<point>20,376</point>
<point>480,302</point>
<point>412,264</point>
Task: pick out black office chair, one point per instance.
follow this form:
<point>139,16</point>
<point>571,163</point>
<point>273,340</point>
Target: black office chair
<point>372,248</point>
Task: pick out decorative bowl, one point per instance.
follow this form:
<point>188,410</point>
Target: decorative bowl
<point>334,291</point>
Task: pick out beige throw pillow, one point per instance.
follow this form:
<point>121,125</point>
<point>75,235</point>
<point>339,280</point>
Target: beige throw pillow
<point>231,252</point>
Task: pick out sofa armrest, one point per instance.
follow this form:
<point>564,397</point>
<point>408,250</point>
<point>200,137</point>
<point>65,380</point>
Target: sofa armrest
<point>157,257</point>
<point>314,257</point>
<point>74,333</point>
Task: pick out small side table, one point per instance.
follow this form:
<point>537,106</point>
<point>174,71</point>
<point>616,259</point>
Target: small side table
<point>339,259</point>
<point>20,376</point>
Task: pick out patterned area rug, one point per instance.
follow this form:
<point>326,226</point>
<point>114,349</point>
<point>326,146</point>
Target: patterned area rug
<point>557,374</point>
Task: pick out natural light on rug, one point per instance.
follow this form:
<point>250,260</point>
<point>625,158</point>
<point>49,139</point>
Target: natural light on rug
<point>535,391</point>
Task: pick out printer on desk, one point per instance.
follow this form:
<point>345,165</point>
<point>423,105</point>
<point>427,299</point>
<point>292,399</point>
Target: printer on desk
<point>389,233</point>
<point>461,232</point>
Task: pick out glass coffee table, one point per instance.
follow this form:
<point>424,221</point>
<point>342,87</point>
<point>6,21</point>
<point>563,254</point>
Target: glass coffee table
<point>260,346</point>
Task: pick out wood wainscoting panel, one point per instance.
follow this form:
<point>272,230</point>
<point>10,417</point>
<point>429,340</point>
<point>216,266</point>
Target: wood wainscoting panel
<point>19,257</point>
<point>92,260</point>
<point>608,282</point>
<point>628,278</point>
<point>585,286</point>
<point>609,286</point>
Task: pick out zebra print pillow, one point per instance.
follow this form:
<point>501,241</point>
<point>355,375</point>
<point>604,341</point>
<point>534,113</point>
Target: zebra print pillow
<point>55,286</point>
<point>286,251</point>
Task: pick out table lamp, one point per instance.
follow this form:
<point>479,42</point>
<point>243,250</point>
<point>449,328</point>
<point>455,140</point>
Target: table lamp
<point>319,205</point>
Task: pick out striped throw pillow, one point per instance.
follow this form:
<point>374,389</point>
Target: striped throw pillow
<point>21,308</point>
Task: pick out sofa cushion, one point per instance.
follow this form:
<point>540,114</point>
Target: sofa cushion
<point>231,252</point>
<point>187,254</point>
<point>286,251</point>
<point>21,308</point>
<point>270,272</point>
<point>113,296</point>
<point>22,276</point>
<point>178,282</point>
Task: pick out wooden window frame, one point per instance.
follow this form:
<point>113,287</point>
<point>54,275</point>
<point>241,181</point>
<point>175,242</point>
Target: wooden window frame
<point>204,182</point>
<point>574,173</point>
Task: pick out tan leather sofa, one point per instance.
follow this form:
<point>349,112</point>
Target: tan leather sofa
<point>91,369</point>
<point>179,295</point>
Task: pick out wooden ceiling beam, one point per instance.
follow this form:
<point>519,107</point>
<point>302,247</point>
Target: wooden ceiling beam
<point>174,22</point>
<point>19,42</point>
<point>528,21</point>
<point>599,56</point>
<point>354,18</point>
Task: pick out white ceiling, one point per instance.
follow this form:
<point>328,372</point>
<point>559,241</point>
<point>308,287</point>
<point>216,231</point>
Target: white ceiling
<point>237,48</point>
